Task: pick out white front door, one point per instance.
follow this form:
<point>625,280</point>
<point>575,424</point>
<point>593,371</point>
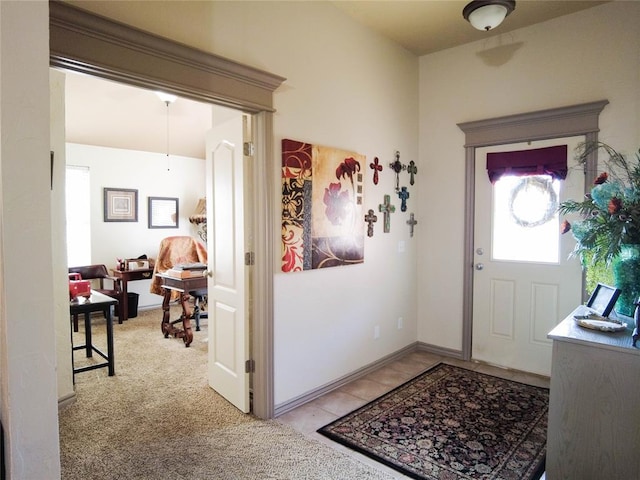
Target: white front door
<point>524,282</point>
<point>227,242</point>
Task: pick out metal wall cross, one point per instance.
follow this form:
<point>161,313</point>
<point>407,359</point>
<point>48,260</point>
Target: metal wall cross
<point>370,218</point>
<point>412,170</point>
<point>403,194</point>
<point>387,209</point>
<point>397,167</point>
<point>411,222</point>
<point>376,168</point>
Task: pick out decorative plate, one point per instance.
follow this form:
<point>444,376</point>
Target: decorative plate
<point>602,324</point>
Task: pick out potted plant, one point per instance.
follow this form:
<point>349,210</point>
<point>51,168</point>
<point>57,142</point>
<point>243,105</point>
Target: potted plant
<point>607,232</point>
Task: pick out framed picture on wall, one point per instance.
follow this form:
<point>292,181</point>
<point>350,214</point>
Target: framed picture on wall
<point>120,205</point>
<point>163,212</point>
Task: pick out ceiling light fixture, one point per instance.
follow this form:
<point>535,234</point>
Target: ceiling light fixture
<point>487,14</point>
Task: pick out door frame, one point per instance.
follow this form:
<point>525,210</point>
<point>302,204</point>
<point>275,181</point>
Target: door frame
<point>94,45</point>
<point>570,121</point>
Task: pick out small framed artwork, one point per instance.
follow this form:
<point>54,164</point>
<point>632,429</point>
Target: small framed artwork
<point>163,212</point>
<point>603,299</point>
<point>120,205</point>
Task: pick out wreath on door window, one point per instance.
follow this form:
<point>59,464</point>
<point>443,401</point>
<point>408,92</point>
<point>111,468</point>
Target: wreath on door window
<point>534,190</point>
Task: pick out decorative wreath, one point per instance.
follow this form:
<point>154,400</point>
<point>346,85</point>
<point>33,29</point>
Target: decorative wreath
<point>544,186</point>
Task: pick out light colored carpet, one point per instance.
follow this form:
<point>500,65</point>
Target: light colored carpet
<point>157,418</point>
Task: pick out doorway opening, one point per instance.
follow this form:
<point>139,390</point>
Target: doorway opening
<point>93,45</point>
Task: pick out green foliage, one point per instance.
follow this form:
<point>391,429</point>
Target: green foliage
<point>610,213</point>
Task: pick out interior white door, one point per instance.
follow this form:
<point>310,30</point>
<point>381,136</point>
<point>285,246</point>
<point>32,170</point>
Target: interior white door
<point>517,301</point>
<point>227,234</point>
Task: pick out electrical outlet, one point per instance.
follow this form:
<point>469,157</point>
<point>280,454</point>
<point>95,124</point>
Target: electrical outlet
<point>400,323</point>
<point>376,332</point>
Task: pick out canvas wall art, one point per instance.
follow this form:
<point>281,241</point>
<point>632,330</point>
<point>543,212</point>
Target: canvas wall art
<point>322,206</point>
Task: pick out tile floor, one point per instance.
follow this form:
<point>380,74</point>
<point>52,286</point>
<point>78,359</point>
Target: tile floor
<point>317,413</point>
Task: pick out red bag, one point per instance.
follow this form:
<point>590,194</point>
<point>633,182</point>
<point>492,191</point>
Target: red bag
<point>78,287</point>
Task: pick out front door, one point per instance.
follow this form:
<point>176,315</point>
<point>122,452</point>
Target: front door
<point>227,241</point>
<point>524,280</point>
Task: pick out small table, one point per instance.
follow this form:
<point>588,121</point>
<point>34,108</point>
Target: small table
<point>183,286</point>
<point>593,403</point>
<point>97,302</point>
<point>125,276</point>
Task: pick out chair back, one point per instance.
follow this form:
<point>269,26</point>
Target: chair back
<point>173,251</point>
<point>88,272</point>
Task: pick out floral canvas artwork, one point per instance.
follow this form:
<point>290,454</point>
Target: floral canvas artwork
<point>322,212</point>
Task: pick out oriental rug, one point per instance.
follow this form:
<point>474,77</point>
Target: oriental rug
<point>450,423</point>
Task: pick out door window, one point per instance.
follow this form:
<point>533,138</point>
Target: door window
<point>525,219</point>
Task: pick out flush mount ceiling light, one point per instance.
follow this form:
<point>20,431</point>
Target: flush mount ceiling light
<point>487,14</point>
<point>166,97</point>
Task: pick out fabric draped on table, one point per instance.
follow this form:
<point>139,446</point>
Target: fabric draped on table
<point>175,251</point>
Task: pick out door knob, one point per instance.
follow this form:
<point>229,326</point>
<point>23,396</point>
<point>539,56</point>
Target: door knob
<point>479,266</point>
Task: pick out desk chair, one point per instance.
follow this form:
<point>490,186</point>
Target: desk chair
<point>178,250</point>
<point>98,273</point>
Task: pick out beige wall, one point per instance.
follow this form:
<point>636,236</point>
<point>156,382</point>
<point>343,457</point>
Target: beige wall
<point>345,88</point>
<point>588,56</point>
<point>28,393</point>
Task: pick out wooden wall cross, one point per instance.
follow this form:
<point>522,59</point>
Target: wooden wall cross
<point>411,222</point>
<point>413,170</point>
<point>397,167</point>
<point>370,218</point>
<point>376,168</point>
<point>387,209</point>
<point>403,194</point>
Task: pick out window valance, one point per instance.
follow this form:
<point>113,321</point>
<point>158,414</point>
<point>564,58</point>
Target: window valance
<point>539,161</point>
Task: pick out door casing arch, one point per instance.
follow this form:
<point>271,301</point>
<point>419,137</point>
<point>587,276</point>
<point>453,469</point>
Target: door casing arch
<point>560,122</point>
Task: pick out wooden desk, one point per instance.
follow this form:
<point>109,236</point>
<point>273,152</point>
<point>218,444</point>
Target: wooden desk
<point>593,404</point>
<point>125,276</point>
<point>183,286</point>
<point>97,302</point>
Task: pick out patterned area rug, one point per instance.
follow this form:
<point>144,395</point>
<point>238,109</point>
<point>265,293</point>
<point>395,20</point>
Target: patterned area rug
<point>451,423</point>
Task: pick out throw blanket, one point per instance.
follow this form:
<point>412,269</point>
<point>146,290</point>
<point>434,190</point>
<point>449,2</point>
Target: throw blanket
<point>175,251</point>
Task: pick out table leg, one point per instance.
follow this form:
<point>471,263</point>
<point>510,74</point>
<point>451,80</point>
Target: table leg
<point>186,319</point>
<point>110,349</point>
<point>124,304</point>
<point>166,314</point>
<point>87,334</point>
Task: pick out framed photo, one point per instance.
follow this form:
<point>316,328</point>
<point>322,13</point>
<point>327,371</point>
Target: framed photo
<point>163,212</point>
<point>120,205</point>
<point>603,299</point>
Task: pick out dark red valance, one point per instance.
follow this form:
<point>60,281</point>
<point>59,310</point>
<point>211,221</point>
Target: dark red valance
<point>539,161</point>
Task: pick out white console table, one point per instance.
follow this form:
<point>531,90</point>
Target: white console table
<point>594,404</point>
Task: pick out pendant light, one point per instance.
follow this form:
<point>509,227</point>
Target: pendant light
<point>168,99</point>
<point>487,14</point>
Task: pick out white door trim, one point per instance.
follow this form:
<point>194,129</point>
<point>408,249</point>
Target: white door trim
<point>539,125</point>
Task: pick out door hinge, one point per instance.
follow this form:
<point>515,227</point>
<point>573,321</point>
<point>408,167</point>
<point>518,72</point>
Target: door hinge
<point>249,366</point>
<point>248,149</point>
<point>249,258</point>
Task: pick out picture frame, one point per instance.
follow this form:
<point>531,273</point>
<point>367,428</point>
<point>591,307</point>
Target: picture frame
<point>120,205</point>
<point>163,212</point>
<point>603,299</point>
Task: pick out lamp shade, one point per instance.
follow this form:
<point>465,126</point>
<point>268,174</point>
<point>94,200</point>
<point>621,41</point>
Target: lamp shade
<point>487,14</point>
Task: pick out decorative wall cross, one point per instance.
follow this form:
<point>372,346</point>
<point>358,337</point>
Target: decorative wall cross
<point>387,209</point>
<point>411,222</point>
<point>376,168</point>
<point>413,170</point>
<point>397,167</point>
<point>370,218</point>
<point>403,194</point>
